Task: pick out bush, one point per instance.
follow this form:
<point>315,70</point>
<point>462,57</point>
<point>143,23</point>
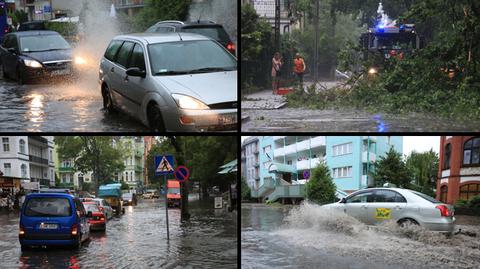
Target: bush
<point>246,192</point>
<point>461,203</point>
<point>320,188</point>
<point>474,202</point>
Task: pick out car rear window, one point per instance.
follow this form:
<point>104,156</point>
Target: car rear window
<point>91,207</point>
<point>216,33</point>
<point>113,49</point>
<point>426,197</point>
<point>48,207</point>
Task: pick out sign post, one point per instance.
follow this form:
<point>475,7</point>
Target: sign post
<point>164,166</point>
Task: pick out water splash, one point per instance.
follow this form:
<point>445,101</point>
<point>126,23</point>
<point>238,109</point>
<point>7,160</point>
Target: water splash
<point>382,17</point>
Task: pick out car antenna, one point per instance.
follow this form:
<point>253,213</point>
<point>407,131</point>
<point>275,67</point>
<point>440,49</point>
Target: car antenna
<point>180,36</point>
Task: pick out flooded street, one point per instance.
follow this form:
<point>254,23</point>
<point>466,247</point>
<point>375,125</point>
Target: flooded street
<point>306,120</point>
<point>138,239</point>
<point>59,107</point>
<point>309,237</point>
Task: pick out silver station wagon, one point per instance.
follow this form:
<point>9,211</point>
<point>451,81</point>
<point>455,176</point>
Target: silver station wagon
<point>375,205</point>
<point>171,81</point>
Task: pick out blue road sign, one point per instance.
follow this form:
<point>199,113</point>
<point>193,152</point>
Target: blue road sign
<point>164,165</point>
<point>306,174</point>
<point>181,173</point>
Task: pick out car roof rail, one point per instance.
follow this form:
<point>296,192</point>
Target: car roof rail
<point>171,21</point>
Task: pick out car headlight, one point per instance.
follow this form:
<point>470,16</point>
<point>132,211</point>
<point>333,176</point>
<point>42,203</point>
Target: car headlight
<point>32,63</point>
<point>188,102</point>
<point>372,71</point>
<point>80,60</point>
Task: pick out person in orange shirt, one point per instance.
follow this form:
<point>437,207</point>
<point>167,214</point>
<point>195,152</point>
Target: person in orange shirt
<point>299,68</point>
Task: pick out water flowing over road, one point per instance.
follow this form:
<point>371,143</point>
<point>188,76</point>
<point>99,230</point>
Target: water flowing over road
<point>137,239</point>
<point>307,236</point>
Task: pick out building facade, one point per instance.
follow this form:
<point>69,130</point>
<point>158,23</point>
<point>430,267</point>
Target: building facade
<point>250,161</point>
<point>266,9</point>
<point>149,142</point>
<point>28,158</point>
<point>134,162</point>
<point>286,162</point>
<point>459,168</point>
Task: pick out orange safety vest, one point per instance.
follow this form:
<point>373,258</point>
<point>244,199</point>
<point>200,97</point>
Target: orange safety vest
<point>299,65</point>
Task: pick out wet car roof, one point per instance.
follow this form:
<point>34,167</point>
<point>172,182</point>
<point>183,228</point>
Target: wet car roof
<point>35,32</point>
<point>151,38</point>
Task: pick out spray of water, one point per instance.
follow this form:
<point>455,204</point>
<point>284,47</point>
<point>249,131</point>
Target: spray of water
<point>384,20</point>
<point>312,226</point>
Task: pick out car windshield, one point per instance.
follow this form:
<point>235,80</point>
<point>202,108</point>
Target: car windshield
<point>426,197</point>
<point>127,195</point>
<point>91,207</point>
<point>216,33</point>
<point>173,190</point>
<point>43,43</point>
<point>48,207</point>
<point>188,57</point>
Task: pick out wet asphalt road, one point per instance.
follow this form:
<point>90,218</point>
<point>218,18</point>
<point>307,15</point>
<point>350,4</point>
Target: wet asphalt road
<point>59,106</point>
<point>305,120</point>
<point>310,238</point>
<point>137,240</point>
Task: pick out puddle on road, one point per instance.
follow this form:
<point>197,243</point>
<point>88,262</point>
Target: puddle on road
<point>310,226</point>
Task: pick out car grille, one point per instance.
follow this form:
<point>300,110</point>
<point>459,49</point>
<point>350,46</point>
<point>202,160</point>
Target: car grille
<point>226,105</point>
<point>58,65</point>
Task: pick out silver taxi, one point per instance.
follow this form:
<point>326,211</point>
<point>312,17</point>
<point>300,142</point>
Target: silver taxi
<point>404,206</point>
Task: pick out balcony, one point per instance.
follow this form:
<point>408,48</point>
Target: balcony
<point>256,165</point>
<point>275,138</point>
<point>366,181</point>
<point>39,160</point>
<point>38,139</point>
<point>66,169</point>
<point>318,141</point>
<point>287,191</point>
<point>278,152</point>
<point>256,152</point>
<point>372,138</point>
<point>371,156</point>
<point>308,164</point>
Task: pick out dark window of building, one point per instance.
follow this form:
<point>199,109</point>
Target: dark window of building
<point>471,151</point>
<point>467,191</point>
<point>446,157</point>
<point>443,193</point>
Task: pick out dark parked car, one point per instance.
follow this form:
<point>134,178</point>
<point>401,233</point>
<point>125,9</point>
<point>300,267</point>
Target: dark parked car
<point>35,54</point>
<point>129,198</point>
<point>206,28</point>
<point>32,26</point>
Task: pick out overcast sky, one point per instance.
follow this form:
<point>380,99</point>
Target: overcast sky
<point>417,143</point>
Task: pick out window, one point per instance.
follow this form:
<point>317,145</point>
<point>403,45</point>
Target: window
<point>63,178</point>
<point>446,156</point>
<point>471,151</point>
<point>49,207</point>
<point>467,191</point>
<point>50,156</point>
<point>7,169</point>
<point>342,172</point>
<point>386,196</point>
<point>137,59</point>
<point>443,193</point>
<point>80,178</point>
<point>113,49</point>
<point>364,197</point>
<point>124,53</point>
<point>22,146</point>
<point>6,144</point>
<point>23,170</point>
<point>342,149</point>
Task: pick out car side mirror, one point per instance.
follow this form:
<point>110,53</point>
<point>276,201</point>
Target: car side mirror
<point>89,214</point>
<point>12,50</point>
<point>343,200</point>
<point>136,72</point>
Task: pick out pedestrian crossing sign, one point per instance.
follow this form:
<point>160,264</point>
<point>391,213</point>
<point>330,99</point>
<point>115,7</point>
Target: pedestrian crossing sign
<point>164,165</point>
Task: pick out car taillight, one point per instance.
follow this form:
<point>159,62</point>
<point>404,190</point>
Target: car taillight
<point>231,46</point>
<point>443,210</point>
<point>102,218</point>
<point>74,231</point>
<point>21,232</point>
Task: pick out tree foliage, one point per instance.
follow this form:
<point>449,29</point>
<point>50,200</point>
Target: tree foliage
<point>159,10</point>
<point>392,169</point>
<point>246,191</point>
<point>424,168</point>
<point>320,187</point>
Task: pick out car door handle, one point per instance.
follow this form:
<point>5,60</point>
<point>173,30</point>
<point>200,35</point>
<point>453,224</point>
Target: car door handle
<point>112,69</point>
<point>126,79</point>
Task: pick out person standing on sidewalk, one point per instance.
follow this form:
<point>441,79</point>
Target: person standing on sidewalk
<point>276,67</point>
<point>299,68</point>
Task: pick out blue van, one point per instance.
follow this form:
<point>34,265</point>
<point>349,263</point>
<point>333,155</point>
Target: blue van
<point>50,219</point>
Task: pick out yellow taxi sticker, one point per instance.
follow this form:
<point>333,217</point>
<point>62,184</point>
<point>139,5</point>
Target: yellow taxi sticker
<point>383,213</point>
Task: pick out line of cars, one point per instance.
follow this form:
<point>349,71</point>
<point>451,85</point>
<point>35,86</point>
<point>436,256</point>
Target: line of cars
<point>177,76</point>
<point>61,219</point>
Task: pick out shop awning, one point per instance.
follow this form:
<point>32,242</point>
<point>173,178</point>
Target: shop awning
<point>281,168</point>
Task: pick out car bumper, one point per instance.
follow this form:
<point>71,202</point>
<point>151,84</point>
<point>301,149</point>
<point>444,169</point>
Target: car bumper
<point>56,242</point>
<point>97,226</point>
<point>45,73</point>
<point>446,225</point>
<point>203,120</point>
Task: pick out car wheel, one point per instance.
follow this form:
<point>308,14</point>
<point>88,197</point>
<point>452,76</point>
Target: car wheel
<point>107,100</point>
<point>155,119</point>
<point>405,223</point>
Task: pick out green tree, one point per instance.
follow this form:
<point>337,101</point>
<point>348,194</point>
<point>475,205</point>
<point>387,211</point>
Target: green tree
<point>424,168</point>
<point>246,191</point>
<point>124,185</point>
<point>159,10</point>
<point>93,153</point>
<point>392,169</point>
<point>320,187</point>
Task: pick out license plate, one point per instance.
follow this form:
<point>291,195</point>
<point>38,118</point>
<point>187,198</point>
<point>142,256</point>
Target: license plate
<point>48,226</point>
<point>60,72</point>
<point>227,119</point>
